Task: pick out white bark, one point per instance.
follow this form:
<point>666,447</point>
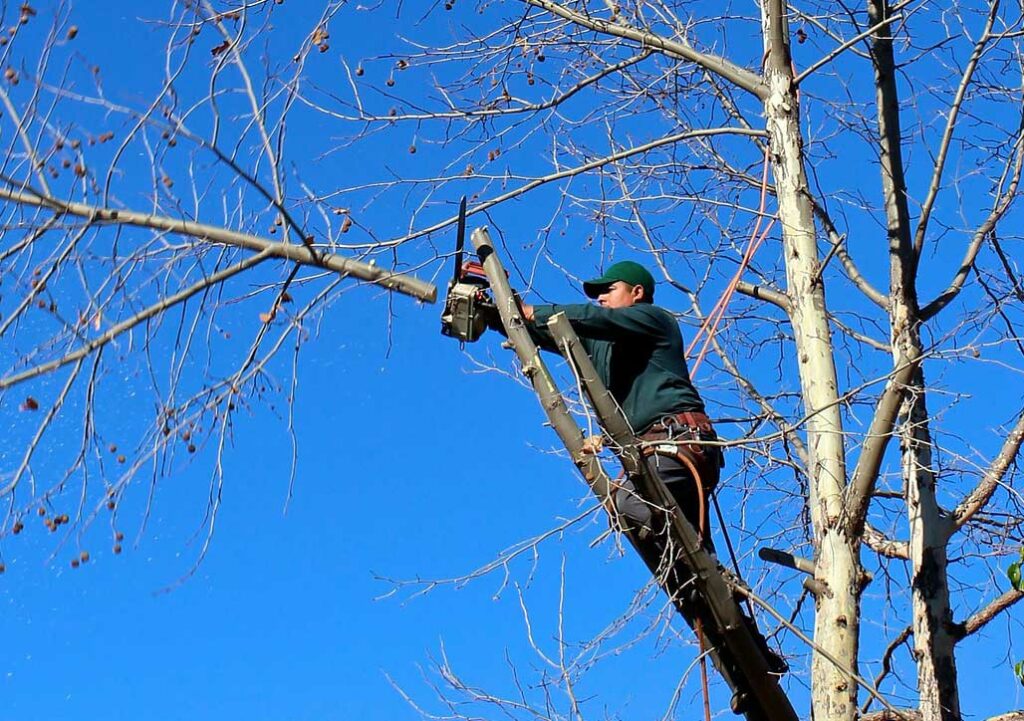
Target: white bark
<point>929,528</point>
<point>934,641</point>
<point>837,621</point>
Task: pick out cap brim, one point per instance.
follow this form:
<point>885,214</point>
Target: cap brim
<point>596,287</point>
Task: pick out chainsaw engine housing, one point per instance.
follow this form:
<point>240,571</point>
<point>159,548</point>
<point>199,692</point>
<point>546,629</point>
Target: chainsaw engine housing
<point>462,318</point>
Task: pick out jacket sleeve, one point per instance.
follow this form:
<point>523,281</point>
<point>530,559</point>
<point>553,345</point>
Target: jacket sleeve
<point>538,332</point>
<point>592,321</point>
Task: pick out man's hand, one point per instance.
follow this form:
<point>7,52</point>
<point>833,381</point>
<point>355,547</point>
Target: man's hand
<point>489,312</point>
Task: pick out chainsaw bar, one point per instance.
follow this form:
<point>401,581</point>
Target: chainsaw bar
<point>460,240</point>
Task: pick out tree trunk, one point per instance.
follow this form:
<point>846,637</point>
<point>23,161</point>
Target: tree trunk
<point>837,620</point>
<point>934,642</point>
<point>929,528</point>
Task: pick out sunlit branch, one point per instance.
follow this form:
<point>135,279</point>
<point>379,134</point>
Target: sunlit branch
<point>979,620</point>
<point>952,115</point>
<point>846,46</point>
<point>267,248</point>
<point>126,325</point>
<point>574,171</point>
<point>743,78</point>
<point>1003,203</point>
<point>875,442</point>
<point>761,292</point>
<point>469,114</point>
<point>993,477</point>
<point>883,546</point>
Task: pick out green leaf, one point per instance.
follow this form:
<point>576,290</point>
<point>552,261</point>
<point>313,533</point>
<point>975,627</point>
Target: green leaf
<point>1013,573</point>
<point>1018,668</point>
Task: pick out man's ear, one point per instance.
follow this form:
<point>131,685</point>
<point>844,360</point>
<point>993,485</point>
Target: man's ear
<point>638,293</point>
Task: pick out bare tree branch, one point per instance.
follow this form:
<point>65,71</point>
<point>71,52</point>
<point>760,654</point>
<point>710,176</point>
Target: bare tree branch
<point>267,248</point>
<point>1003,202</point>
<point>953,115</point>
<point>763,293</point>
<point>982,494</point>
<point>872,451</point>
<point>741,77</point>
<point>883,546</point>
<point>979,620</point>
<point>126,325</point>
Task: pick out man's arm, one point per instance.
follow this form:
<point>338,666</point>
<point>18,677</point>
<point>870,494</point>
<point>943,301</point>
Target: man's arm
<point>592,321</point>
<point>539,333</point>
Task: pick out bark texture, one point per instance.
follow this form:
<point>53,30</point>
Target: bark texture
<point>837,620</point>
<point>929,528</point>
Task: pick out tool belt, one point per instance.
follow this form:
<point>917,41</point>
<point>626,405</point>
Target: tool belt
<point>679,423</point>
<point>695,427</point>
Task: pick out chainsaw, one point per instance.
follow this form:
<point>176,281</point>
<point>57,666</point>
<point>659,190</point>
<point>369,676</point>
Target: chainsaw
<point>468,300</point>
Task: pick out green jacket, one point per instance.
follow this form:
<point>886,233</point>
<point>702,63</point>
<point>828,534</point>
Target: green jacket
<point>639,355</point>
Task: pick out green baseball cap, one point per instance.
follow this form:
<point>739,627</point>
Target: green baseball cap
<point>628,272</point>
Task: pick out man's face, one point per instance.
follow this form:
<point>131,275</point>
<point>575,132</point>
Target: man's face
<point>620,295</point>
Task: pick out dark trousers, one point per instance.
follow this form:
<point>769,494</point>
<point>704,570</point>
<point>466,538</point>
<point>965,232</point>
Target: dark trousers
<point>676,475</point>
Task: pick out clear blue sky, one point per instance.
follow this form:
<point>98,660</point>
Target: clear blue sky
<point>412,465</point>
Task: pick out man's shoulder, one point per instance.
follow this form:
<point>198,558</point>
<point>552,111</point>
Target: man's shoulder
<point>652,311</point>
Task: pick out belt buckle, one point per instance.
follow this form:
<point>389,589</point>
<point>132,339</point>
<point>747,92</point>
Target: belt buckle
<point>670,424</point>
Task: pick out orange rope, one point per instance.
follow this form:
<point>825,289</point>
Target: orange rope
<point>711,322</point>
<point>704,671</point>
<point>708,328</point>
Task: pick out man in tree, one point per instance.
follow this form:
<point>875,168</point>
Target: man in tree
<point>638,352</point>
<point>639,355</point>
